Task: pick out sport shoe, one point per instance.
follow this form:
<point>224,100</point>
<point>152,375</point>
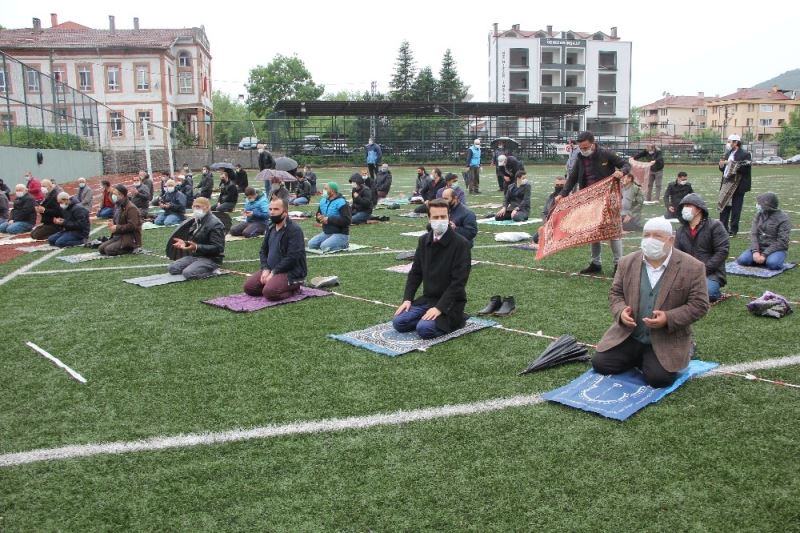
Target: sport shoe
<point>593,268</point>
<point>324,281</point>
<point>494,304</point>
<point>507,308</point>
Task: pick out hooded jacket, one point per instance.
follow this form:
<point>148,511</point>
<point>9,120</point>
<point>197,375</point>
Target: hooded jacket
<point>338,212</point>
<point>259,207</point>
<point>76,218</point>
<point>383,182</point>
<point>363,202</point>
<point>771,228</point>
<point>710,245</point>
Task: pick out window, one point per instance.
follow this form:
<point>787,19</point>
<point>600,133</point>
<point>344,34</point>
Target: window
<point>142,115</point>
<point>184,59</point>
<point>766,108</point>
<point>664,112</point>
<point>85,82</point>
<point>3,81</point>
<point>169,78</point>
<point>6,121</point>
<point>749,121</point>
<point>607,105</point>
<point>62,113</point>
<point>113,78</point>
<point>142,77</point>
<point>607,60</point>
<point>115,119</point>
<point>519,58</point>
<point>607,83</point>
<point>765,122</point>
<point>60,77</point>
<point>32,80</point>
<point>87,127</point>
<point>781,122</point>
<point>782,108</point>
<point>518,98</point>
<point>185,83</point>
<point>751,107</point>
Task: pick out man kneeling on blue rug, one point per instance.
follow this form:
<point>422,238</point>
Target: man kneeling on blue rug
<point>658,292</point>
<point>442,264</point>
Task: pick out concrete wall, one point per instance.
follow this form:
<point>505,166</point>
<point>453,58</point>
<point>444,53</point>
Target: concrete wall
<point>63,165</point>
<point>131,161</point>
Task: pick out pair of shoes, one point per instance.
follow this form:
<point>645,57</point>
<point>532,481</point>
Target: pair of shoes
<point>498,306</point>
<point>593,268</point>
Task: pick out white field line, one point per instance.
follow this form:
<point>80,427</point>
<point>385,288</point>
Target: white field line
<point>29,266</point>
<point>92,269</point>
<point>56,361</point>
<point>329,425</point>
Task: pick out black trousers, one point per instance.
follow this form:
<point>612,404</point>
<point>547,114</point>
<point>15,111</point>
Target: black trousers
<point>373,170</point>
<point>733,212</point>
<point>632,353</point>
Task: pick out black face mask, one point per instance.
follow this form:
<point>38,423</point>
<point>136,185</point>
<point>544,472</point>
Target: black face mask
<point>558,188</point>
<point>452,205</point>
<point>276,219</point>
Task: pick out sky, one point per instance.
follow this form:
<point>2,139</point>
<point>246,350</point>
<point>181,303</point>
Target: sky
<point>680,47</point>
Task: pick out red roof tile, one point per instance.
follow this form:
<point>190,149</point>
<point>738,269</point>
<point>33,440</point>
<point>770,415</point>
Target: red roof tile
<point>754,94</point>
<point>678,101</point>
<point>74,36</point>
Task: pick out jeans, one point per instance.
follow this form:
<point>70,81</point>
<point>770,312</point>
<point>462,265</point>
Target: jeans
<point>105,212</point>
<point>616,250</point>
<point>360,218</point>
<point>165,219</point>
<point>300,200</point>
<point>411,320</point>
<point>774,260</point>
<point>326,243</point>
<point>62,239</point>
<point>193,267</point>
<point>713,290</point>
<point>15,227</point>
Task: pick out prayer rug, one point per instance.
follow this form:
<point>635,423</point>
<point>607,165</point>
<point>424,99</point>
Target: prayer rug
<point>405,269</point>
<point>414,233</point>
<point>82,258</point>
<point>242,303</point>
<point>229,237</point>
<point>589,215</point>
<point>641,174</point>
<point>494,222</point>
<point>19,240</point>
<point>756,272</point>
<point>160,279</point>
<point>350,248</point>
<point>394,201</point>
<point>621,395</point>
<point>384,340</point>
<point>8,253</point>
<point>486,206</point>
<point>530,247</point>
<point>150,225</point>
<point>37,248</point>
<point>412,214</point>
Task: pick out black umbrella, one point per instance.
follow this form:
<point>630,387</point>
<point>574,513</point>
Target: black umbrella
<point>181,233</point>
<point>564,349</point>
<point>221,165</point>
<point>286,164</point>
<point>508,142</point>
<point>225,218</point>
<point>267,174</point>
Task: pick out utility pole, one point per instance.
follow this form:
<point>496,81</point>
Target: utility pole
<point>373,89</point>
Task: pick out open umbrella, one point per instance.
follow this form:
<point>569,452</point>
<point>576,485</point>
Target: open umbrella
<point>267,174</point>
<point>286,163</point>
<point>221,165</point>
<point>508,142</point>
<point>225,218</point>
<point>182,232</point>
<point>564,349</point>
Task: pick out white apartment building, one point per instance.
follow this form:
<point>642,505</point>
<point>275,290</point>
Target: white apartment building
<point>564,67</point>
<point>163,75</point>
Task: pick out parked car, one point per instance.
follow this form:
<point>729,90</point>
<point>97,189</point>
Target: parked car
<point>248,143</point>
<point>794,160</point>
<point>770,160</point>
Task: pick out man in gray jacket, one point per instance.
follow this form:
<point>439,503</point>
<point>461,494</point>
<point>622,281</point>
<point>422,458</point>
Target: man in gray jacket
<point>769,235</point>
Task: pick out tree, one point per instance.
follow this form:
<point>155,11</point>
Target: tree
<point>450,85</point>
<point>404,74</point>
<point>788,138</point>
<point>231,119</point>
<point>285,78</point>
<point>426,87</point>
<point>634,133</point>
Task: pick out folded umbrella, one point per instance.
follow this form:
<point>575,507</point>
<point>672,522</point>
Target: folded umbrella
<point>564,349</point>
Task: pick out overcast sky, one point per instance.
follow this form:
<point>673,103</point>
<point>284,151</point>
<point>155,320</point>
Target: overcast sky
<point>680,47</point>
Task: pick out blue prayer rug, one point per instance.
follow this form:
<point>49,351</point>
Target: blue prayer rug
<point>621,395</point>
<point>383,338</point>
<point>757,272</point>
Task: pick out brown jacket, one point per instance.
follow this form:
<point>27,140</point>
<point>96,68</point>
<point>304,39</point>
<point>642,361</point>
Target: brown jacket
<point>129,225</point>
<point>683,296</point>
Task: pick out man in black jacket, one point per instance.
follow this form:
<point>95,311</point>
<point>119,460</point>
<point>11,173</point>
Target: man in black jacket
<point>206,185</point>
<point>48,209</point>
<point>676,191</point>
<point>509,166</point>
<point>283,257</point>
<point>592,165</point>
<point>429,190</point>
<point>517,202</point>
<point>462,220</point>
<point>74,223</point>
<point>383,184</point>
<point>302,191</point>
<point>705,239</point>
<point>362,200</point>
<point>23,214</point>
<point>206,243</point>
<point>733,211</point>
<point>441,265</point>
<point>651,153</point>
<point>265,159</point>
<point>241,178</point>
<point>228,193</point>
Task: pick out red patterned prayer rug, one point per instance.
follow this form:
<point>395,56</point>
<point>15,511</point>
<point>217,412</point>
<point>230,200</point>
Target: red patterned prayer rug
<point>641,174</point>
<point>7,253</point>
<point>589,215</point>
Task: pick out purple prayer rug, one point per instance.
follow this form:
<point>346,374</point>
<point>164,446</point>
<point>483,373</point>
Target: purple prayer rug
<point>242,303</point>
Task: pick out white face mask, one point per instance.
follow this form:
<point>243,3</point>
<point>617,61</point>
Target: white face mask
<point>170,189</point>
<point>729,145</point>
<point>20,194</point>
<point>523,182</point>
<point>439,227</point>
<point>64,206</point>
<point>198,213</point>
<point>137,183</point>
<point>682,182</point>
<point>354,186</point>
<point>81,185</point>
<point>759,209</point>
<point>687,213</point>
<point>653,248</point>
<point>114,198</point>
<point>44,190</point>
<point>587,153</point>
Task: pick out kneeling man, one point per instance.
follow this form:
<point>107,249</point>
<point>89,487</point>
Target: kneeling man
<point>657,294</point>
<point>283,257</point>
<point>441,265</point>
<point>206,243</point>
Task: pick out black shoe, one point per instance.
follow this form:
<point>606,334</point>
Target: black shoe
<point>493,305</point>
<point>507,308</point>
<point>593,268</point>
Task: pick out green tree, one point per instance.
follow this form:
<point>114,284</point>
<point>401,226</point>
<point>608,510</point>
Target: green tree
<point>404,74</point>
<point>788,138</point>
<point>450,85</point>
<point>285,78</point>
<point>634,133</point>
<point>426,87</point>
<point>231,119</point>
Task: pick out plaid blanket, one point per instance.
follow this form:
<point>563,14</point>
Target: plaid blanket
<point>589,215</point>
<point>641,173</point>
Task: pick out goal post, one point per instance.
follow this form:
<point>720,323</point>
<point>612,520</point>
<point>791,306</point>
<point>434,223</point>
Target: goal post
<point>146,125</point>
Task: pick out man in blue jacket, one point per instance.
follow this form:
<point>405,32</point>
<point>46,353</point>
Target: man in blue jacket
<point>334,215</point>
<point>474,167</point>
<point>173,202</point>
<point>283,257</point>
<point>256,213</point>
<point>374,155</point>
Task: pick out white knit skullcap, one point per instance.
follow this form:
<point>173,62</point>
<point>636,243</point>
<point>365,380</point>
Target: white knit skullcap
<point>658,224</point>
